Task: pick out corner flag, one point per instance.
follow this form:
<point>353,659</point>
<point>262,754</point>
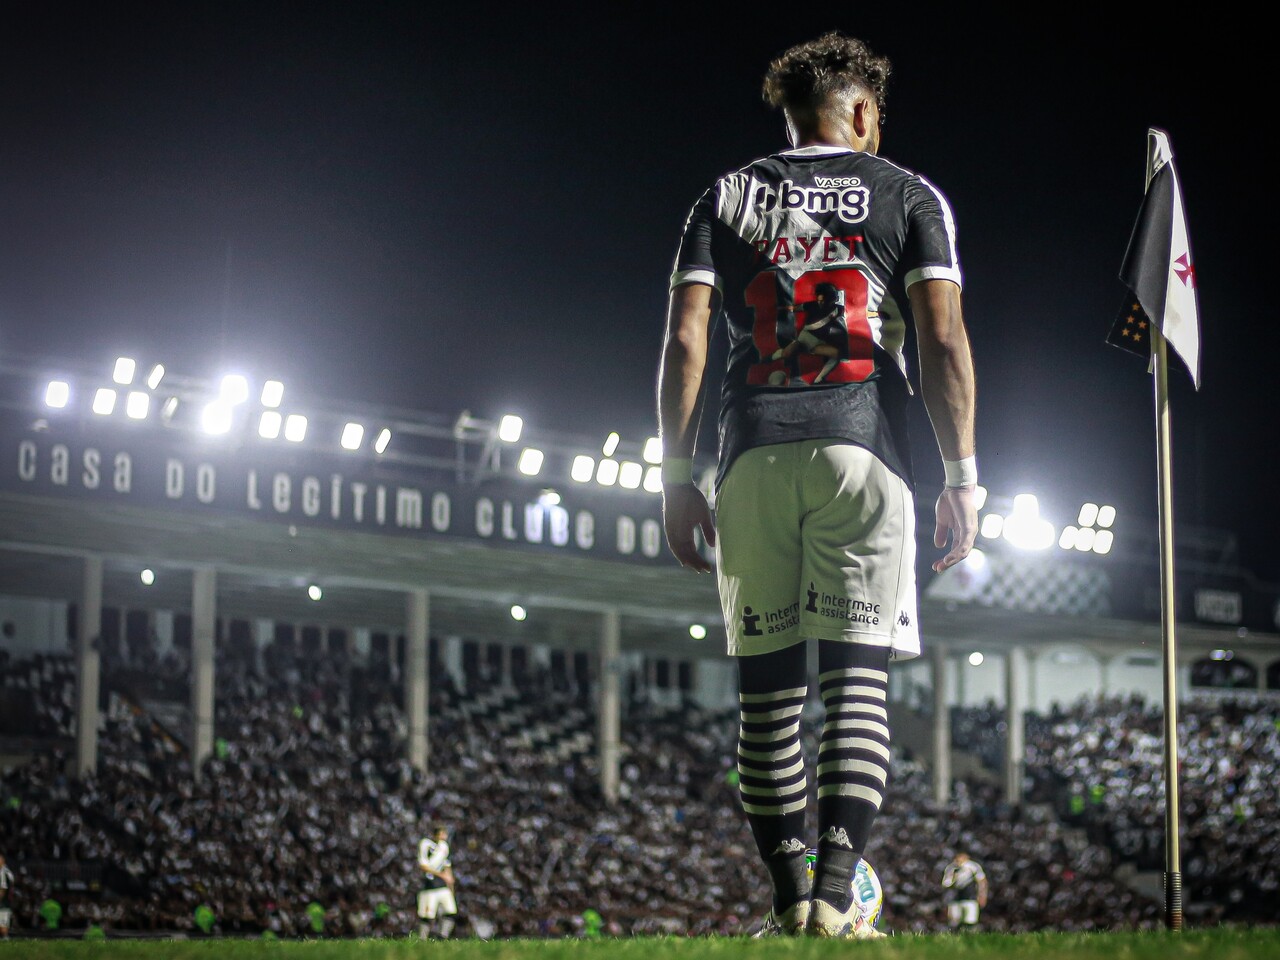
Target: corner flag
<point>1158,269</point>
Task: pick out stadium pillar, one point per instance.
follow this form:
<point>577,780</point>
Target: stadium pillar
<point>204,602</point>
<point>417,611</point>
<point>88,664</point>
<point>943,669</point>
<point>1015,685</point>
<point>608,707</point>
<point>264,633</point>
<point>1105,660</point>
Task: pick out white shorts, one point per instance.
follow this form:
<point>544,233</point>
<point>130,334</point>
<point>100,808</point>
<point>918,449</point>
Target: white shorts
<point>6,917</point>
<point>962,912</point>
<point>816,539</point>
<point>435,901</point>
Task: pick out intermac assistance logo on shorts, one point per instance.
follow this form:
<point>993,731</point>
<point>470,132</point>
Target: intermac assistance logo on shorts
<point>842,608</point>
<point>771,621</point>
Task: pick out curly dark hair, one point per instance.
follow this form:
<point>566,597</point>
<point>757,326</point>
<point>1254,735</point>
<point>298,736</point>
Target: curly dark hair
<point>805,78</point>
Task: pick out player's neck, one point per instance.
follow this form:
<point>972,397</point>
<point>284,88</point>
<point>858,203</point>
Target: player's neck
<point>831,135</point>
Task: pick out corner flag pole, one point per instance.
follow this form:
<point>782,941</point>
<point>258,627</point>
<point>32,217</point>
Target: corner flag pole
<point>1168,622</point>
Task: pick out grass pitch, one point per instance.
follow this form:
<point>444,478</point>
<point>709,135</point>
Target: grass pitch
<point>1257,943</point>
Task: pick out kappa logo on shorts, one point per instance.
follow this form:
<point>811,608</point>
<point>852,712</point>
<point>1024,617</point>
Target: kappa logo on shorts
<point>903,619</point>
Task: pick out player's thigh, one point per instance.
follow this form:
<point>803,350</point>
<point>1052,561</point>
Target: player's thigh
<point>858,576</point>
<point>758,550</point>
<point>448,903</point>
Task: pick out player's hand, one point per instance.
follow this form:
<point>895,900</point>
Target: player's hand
<point>684,509</point>
<point>957,520</point>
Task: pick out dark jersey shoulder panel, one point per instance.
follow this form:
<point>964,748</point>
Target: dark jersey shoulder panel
<point>787,235</point>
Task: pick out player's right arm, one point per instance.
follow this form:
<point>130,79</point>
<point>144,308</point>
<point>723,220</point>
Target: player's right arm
<point>680,397</point>
<point>948,387</point>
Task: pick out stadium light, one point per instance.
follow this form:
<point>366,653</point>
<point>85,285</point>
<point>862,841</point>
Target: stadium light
<point>104,401</point>
<point>653,480</point>
<point>272,393</point>
<point>653,450</point>
<point>57,394</point>
<point>1085,537</point>
<point>1103,542</point>
<point>1088,515</point>
<point>125,368</point>
<point>1025,528</point>
<point>979,497</point>
<point>1067,540</point>
<point>168,409</point>
<point>583,469</point>
<point>992,526</point>
<point>510,428</point>
<point>234,389</point>
<point>216,417</point>
<point>295,427</point>
<point>630,474</point>
<point>269,424</point>
<point>530,462</point>
<point>611,444</point>
<point>1106,516</point>
<point>607,473</point>
<point>148,577</point>
<point>549,498</point>
<point>155,376</point>
<point>384,439</point>
<point>352,434</point>
<point>975,659</point>
<point>697,631</point>
<point>518,613</point>
<point>314,592</point>
<point>137,404</point>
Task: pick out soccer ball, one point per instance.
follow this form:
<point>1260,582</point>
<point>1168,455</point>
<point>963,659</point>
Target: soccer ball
<point>868,894</point>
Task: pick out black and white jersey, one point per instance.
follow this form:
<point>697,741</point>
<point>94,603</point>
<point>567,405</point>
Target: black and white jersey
<point>963,879</point>
<point>812,251</point>
<point>433,855</point>
<point>6,883</point>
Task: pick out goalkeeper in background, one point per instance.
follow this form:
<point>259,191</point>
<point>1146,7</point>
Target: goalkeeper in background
<point>435,899</point>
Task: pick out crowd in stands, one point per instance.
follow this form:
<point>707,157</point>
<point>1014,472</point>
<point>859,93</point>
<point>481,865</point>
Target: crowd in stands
<point>305,820</point>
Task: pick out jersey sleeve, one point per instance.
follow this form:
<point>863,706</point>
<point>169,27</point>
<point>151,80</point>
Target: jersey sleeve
<point>930,251</point>
<point>433,855</point>
<point>694,263</point>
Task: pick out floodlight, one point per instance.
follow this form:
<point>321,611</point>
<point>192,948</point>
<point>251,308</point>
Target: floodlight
<point>518,612</point>
<point>352,434</point>
<point>975,659</point>
<point>216,417</point>
<point>1088,515</point>
<point>295,427</point>
<point>1103,542</point>
<point>979,497</point>
<point>630,474</point>
<point>607,473</point>
<point>697,631</point>
<point>1025,528</point>
<point>653,480</point>
<point>509,428</point>
<point>234,389</point>
<point>611,444</point>
<point>148,577</point>
<point>57,394</point>
<point>1085,538</point>
<point>314,592</point>
<point>168,409</point>
<point>269,424</point>
<point>549,498</point>
<point>1068,538</point>
<point>653,450</point>
<point>992,526</point>
<point>137,404</point>
<point>125,368</point>
<point>384,438</point>
<point>104,401</point>
<point>530,462</point>
<point>272,393</point>
<point>1106,516</point>
<point>155,376</point>
<point>583,468</point>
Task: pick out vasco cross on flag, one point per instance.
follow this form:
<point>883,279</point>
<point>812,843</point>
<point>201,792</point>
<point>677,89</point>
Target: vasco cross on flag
<point>1158,268</point>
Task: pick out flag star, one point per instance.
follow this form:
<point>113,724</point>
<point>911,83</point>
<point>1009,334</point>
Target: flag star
<point>1126,333</point>
<point>1142,325</point>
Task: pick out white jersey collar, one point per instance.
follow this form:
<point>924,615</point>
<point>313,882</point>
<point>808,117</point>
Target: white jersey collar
<point>817,150</point>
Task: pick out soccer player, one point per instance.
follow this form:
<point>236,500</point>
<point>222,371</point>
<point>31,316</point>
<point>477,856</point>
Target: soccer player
<point>814,526</point>
<point>6,892</point>
<point>435,899</point>
<point>966,884</point>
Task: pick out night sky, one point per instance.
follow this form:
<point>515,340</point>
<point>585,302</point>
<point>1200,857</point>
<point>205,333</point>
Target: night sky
<point>479,210</point>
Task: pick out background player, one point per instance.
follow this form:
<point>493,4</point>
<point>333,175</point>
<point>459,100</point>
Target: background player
<point>436,898</point>
<point>965,882</point>
<point>815,523</point>
<point>6,899</point>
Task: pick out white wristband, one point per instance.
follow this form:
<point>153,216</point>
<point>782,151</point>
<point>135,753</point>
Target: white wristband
<point>677,470</point>
<point>961,473</point>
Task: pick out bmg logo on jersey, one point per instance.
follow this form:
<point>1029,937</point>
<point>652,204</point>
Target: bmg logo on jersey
<point>843,196</point>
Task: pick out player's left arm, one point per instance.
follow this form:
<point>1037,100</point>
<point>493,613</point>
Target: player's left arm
<point>680,398</point>
<point>982,887</point>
